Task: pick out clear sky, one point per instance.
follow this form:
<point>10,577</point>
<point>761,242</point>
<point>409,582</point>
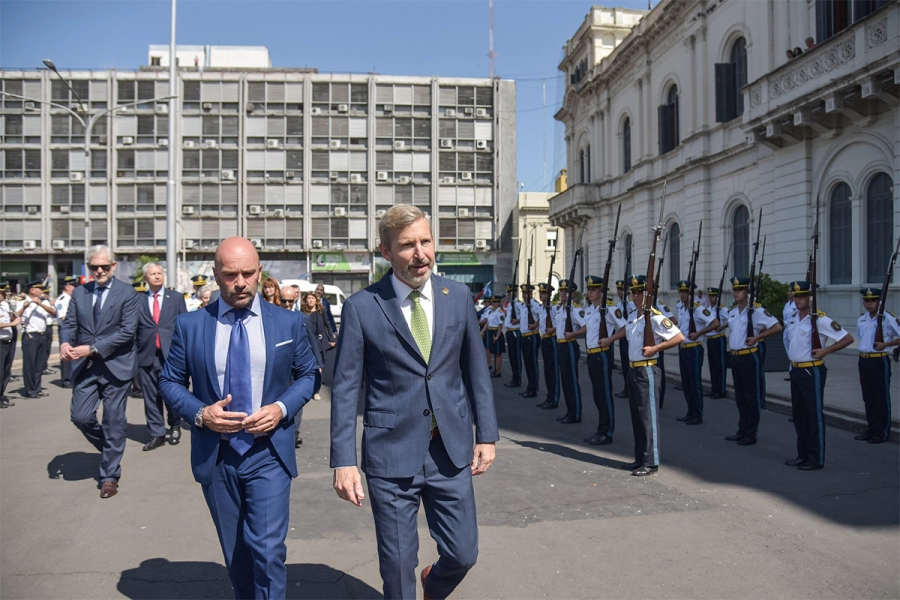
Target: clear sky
<point>412,37</point>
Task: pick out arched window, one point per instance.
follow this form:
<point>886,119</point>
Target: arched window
<point>668,122</point>
<point>740,224</point>
<point>739,63</point>
<point>626,145</point>
<point>730,78</point>
<point>673,255</point>
<point>581,172</point>
<point>840,240</point>
<point>587,166</point>
<point>879,226</point>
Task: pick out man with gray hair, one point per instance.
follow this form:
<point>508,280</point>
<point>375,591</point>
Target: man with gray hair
<point>98,336</point>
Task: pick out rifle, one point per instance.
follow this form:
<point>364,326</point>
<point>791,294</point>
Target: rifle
<point>722,281</point>
<point>751,294</point>
<point>659,266</point>
<point>813,310</point>
<point>528,282</point>
<point>571,293</point>
<point>879,332</point>
<point>692,282</point>
<point>604,289</point>
<point>649,292</point>
<point>762,257</point>
<point>512,299</point>
<point>547,305</point>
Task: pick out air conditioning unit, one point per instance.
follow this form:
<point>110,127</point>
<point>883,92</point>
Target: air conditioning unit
<point>462,212</point>
<point>210,144</point>
<point>29,244</point>
<point>64,209</point>
<point>481,112</point>
<point>450,112</point>
<point>256,242</point>
<point>334,143</point>
<point>76,176</point>
<point>379,213</point>
<point>29,106</point>
<point>250,107</point>
<point>315,110</point>
<point>340,211</point>
<point>388,108</point>
<point>278,212</point>
<point>190,144</point>
<point>163,142</point>
<point>32,210</point>
<point>448,179</point>
<point>466,176</point>
<point>356,178</point>
<point>403,180</point>
<point>127,140</point>
<point>228,175</point>
<point>187,244</point>
<point>481,244</point>
<point>82,108</point>
<point>399,145</point>
<point>381,176</point>
<point>317,244</point>
<point>58,244</point>
<point>446,143</point>
<point>104,140</point>
<point>187,210</point>
<point>289,174</point>
<point>333,175</point>
<point>255,209</point>
<point>271,143</point>
<point>343,108</point>
<point>162,109</point>
<point>481,144</point>
<point>207,106</point>
<point>469,111</point>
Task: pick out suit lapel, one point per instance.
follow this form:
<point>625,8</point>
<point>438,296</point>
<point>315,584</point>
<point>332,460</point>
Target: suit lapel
<point>439,304</point>
<point>268,317</point>
<point>209,338</point>
<point>390,304</point>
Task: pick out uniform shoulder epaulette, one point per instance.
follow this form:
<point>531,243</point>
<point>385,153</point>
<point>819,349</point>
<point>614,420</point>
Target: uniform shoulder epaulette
<point>575,304</point>
<point>654,310</point>
<point>820,313</point>
<point>757,305</point>
<point>610,302</point>
<point>697,305</point>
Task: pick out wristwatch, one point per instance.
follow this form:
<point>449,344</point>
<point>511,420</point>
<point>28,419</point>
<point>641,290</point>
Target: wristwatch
<point>93,349</point>
<point>198,418</point>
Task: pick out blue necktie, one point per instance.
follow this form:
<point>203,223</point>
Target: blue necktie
<point>98,304</point>
<point>238,379</point>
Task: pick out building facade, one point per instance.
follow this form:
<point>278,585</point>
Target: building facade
<point>537,239</point>
<point>696,100</point>
<point>302,163</point>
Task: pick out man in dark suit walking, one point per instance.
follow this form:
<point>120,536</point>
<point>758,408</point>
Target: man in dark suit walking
<point>417,443</point>
<point>157,309</point>
<point>98,337</point>
<point>250,369</point>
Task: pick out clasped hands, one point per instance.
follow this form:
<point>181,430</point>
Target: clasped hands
<point>220,420</point>
<point>69,352</point>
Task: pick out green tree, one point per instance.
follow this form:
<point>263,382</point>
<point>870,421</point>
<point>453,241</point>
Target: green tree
<point>139,272</point>
<point>380,269</point>
<point>772,294</point>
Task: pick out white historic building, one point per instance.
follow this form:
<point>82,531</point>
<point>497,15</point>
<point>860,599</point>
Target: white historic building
<point>698,98</point>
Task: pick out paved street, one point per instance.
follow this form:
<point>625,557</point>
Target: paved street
<point>557,518</point>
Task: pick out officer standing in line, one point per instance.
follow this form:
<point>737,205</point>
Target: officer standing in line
<point>667,313</point>
<point>198,281</point>
<point>627,307</point>
<point>48,332</point>
<point>690,351</point>
<point>746,367</point>
<point>34,325</point>
<point>548,348</point>
<point>513,336</point>
<point>716,345</point>
<point>568,351</point>
<point>8,321</point>
<point>875,366</point>
<point>494,330</point>
<point>644,378</point>
<point>600,357</point>
<point>62,307</point>
<point>808,374</point>
<point>529,314</point>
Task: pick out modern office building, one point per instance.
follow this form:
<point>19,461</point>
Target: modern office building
<point>301,162</point>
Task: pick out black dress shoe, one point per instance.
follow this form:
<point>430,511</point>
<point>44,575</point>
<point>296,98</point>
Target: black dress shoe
<point>796,462</point>
<point>622,394</point>
<point>808,466</point>
<point>570,420</point>
<point>716,395</point>
<point>644,470</point>
<point>631,466</point>
<point>679,388</point>
<point>48,372</point>
<point>685,418</point>
<point>154,443</point>
<point>298,441</point>
<point>863,436</point>
<point>175,434</point>
<point>694,421</point>
<point>550,405</point>
<point>513,384</point>
<point>736,437</point>
<point>528,394</point>
<point>875,439</point>
<point>746,441</point>
<point>496,375</point>
<point>37,395</point>
<point>5,403</point>
<point>599,439</point>
<point>66,384</point>
<point>562,417</point>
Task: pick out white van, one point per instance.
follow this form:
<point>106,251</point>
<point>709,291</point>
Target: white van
<point>333,294</point>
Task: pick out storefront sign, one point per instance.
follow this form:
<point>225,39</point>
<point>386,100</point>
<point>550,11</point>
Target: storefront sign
<point>341,261</point>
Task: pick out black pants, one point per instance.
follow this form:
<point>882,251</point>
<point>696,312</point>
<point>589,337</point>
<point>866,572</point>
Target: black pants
<point>717,369</point>
<point>48,335</point>
<point>875,380</point>
<point>600,367</point>
<point>807,391</point>
<point>690,363</point>
<point>662,378</point>
<point>623,360</point>
<point>551,369</point>
<point>531,348</point>
<point>762,374</point>
<point>513,338</point>
<point>153,401</point>
<point>6,356</point>
<point>568,354</point>
<point>643,392</point>
<point>745,370</point>
<point>33,360</point>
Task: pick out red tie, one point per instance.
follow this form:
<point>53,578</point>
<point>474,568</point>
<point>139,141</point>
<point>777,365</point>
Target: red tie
<point>156,316</point>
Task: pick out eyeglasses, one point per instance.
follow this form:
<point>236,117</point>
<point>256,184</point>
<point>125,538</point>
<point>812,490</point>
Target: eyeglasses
<point>100,267</point>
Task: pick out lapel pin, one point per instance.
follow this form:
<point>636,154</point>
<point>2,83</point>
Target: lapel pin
<point>445,291</point>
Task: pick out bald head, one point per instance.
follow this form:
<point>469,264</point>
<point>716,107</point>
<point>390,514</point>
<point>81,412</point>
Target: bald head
<point>237,271</point>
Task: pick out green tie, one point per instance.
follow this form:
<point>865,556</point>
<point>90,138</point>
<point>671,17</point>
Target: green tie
<point>418,324</point>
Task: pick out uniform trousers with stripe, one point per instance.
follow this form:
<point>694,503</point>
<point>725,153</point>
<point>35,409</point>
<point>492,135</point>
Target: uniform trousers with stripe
<point>875,381</point>
<point>717,368</point>
<point>531,348</point>
<point>690,362</point>
<point>807,391</point>
<point>643,394</point>
<point>762,374</point>
<point>6,355</point>
<point>33,361</point>
<point>551,369</point>
<point>600,367</point>
<point>567,355</point>
<point>662,378</point>
<point>745,370</point>
<point>48,336</point>
<point>623,360</point>
<point>514,350</point>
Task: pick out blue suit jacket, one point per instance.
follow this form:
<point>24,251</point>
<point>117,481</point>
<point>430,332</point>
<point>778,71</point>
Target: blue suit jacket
<point>192,361</point>
<point>113,336</point>
<point>376,350</point>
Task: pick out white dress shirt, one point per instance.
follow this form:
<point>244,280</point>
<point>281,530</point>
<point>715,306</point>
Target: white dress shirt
<point>426,301</point>
<point>96,293</point>
<point>62,307</point>
<point>161,293</point>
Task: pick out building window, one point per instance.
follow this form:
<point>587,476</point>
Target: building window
<point>551,239</point>
<point>587,161</point>
<point>581,171</point>
<point>674,255</point>
<point>155,61</point>
<point>740,223</point>
<point>879,226</point>
<point>840,240</point>
<point>668,122</point>
<point>626,146</point>
<point>834,16</point>
<point>730,78</point>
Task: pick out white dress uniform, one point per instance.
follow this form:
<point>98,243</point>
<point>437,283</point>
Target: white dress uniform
<point>875,374</point>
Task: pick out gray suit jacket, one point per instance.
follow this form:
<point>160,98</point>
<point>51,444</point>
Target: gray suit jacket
<point>376,350</point>
<point>113,336</point>
<point>172,305</point>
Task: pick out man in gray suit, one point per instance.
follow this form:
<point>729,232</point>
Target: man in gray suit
<point>421,399</point>
<point>98,336</point>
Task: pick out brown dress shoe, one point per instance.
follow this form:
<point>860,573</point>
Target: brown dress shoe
<point>425,573</point>
<point>108,489</point>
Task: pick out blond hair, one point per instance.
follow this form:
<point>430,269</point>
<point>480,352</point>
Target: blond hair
<point>397,218</point>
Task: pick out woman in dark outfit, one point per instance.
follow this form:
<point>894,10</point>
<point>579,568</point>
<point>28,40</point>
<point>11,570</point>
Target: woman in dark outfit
<point>313,309</point>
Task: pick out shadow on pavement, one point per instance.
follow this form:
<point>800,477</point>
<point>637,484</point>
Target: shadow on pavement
<point>74,466</point>
<point>160,578</point>
<point>137,433</point>
<point>571,453</point>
